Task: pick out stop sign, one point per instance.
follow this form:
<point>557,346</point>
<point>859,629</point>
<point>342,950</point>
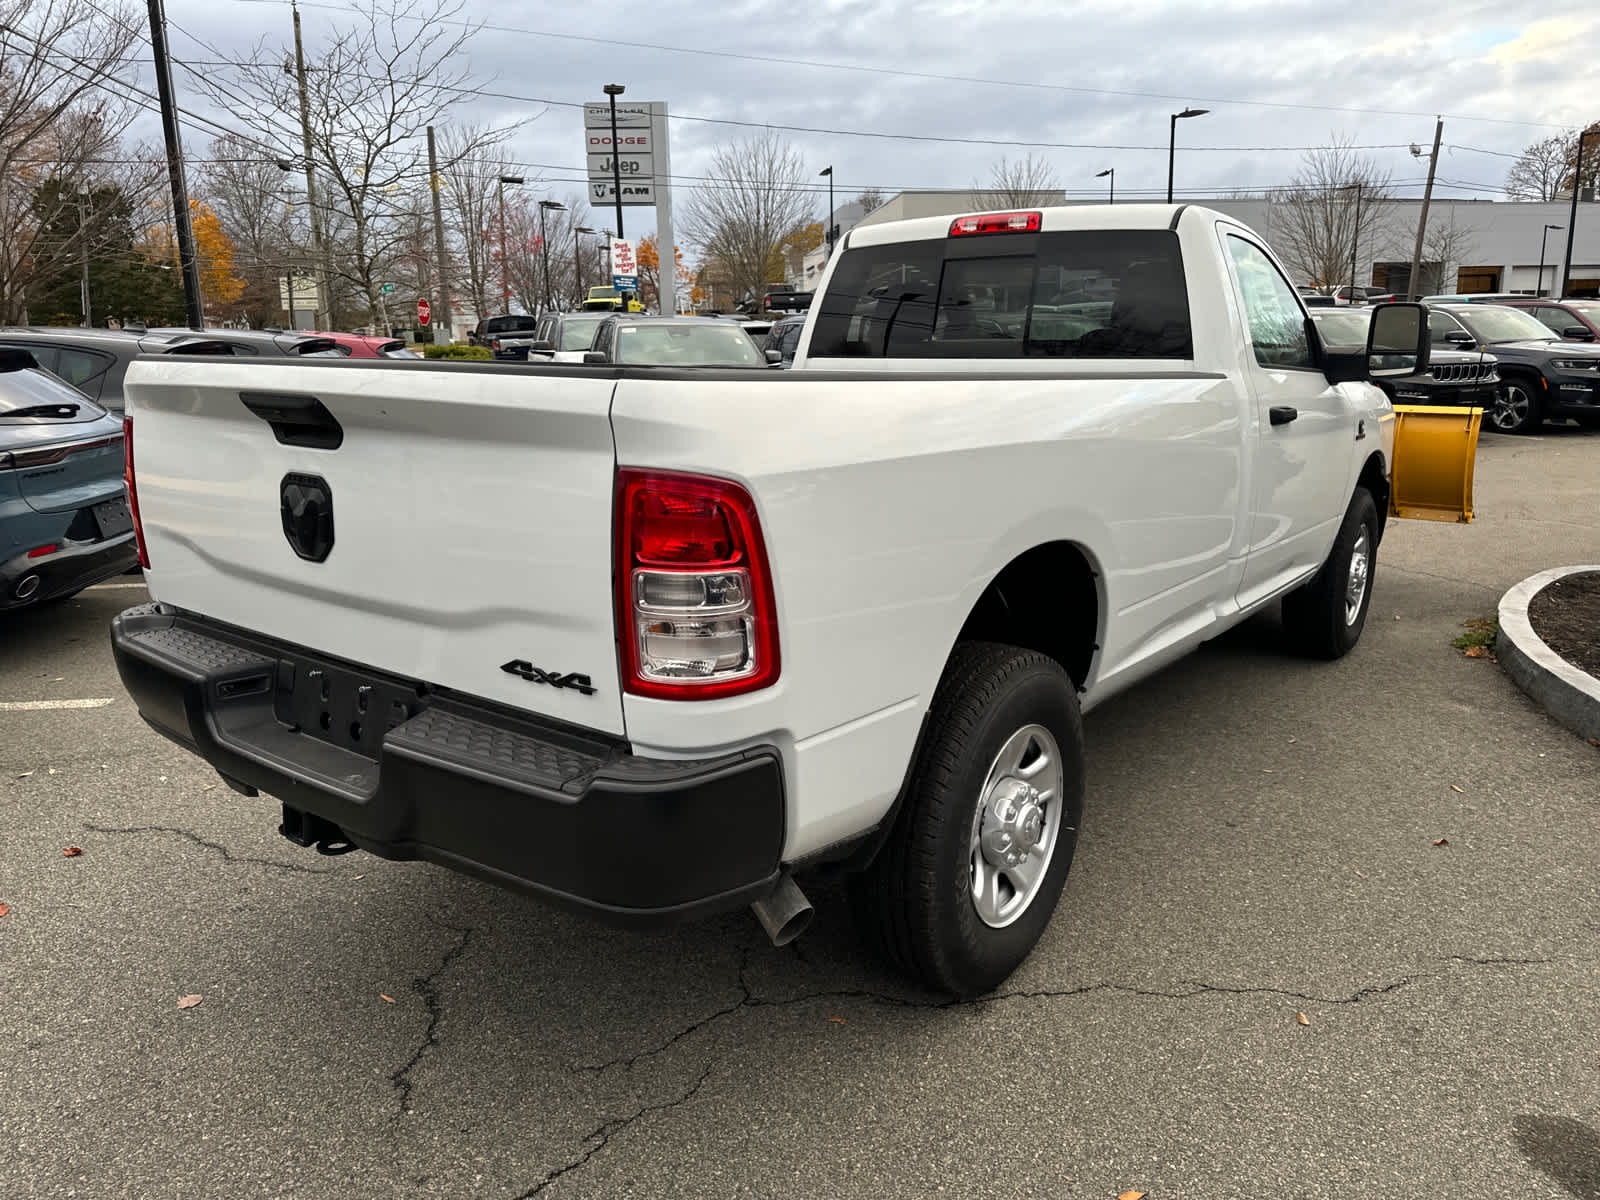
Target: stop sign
<point>423,312</point>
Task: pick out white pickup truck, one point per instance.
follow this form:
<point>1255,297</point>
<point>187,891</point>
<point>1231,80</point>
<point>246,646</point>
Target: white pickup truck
<point>651,642</point>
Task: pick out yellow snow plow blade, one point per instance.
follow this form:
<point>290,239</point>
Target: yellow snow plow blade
<point>1435,450</point>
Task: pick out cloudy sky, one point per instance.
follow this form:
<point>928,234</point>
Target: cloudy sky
<point>870,86</point>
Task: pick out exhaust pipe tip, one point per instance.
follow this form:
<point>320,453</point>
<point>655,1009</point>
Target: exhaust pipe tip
<point>786,913</point>
<point>27,587</point>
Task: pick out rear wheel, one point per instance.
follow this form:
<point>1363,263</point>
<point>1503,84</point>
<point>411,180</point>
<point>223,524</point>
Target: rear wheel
<point>1517,410</point>
<point>1324,617</point>
<point>979,853</point>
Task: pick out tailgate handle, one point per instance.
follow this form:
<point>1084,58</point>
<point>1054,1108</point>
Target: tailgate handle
<point>296,420</point>
<point>1282,414</point>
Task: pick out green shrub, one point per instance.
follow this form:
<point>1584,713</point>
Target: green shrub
<point>456,350</point>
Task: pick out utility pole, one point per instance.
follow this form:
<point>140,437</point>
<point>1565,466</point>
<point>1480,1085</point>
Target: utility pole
<point>1412,288</point>
<point>320,273</point>
<point>187,262</point>
<point>1355,243</point>
<point>438,241</point>
<point>1572,218</point>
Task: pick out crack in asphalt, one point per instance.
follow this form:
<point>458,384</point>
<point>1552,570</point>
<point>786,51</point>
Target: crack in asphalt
<point>427,986</point>
<point>228,856</point>
<point>601,1136</point>
<point>1190,989</point>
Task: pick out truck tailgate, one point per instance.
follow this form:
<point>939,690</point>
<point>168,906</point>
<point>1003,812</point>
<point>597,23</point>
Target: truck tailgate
<point>471,518</point>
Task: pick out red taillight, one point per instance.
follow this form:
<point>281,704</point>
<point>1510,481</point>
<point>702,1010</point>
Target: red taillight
<point>1012,222</point>
<point>133,490</point>
<point>41,551</point>
<point>696,617</point>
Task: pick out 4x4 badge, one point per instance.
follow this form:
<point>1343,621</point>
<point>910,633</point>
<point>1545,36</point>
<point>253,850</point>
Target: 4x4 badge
<point>533,674</point>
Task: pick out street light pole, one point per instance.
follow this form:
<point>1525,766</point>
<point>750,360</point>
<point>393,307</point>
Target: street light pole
<point>1572,217</point>
<point>1112,171</point>
<point>1539,289</point>
<point>505,278</point>
<point>1172,142</point>
<point>546,206</point>
<point>1355,242</point>
<point>613,90</point>
<point>827,233</point>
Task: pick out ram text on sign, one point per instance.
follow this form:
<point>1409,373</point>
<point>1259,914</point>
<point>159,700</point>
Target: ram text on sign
<point>602,193</point>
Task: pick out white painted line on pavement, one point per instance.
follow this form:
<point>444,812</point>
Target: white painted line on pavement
<point>39,705</point>
<point>106,587</point>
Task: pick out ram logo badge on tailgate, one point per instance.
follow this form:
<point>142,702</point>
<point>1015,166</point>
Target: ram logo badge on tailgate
<point>533,674</point>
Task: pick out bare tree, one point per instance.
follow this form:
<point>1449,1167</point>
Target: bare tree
<point>870,200</point>
<point>264,214</point>
<point>471,171</point>
<point>1544,170</point>
<point>1316,225</point>
<point>373,88</point>
<point>755,197</point>
<point>529,254</point>
<point>1027,182</point>
<point>1446,248</point>
<point>57,118</point>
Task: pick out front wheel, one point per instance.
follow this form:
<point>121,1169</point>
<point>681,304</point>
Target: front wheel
<point>980,850</point>
<point>1324,617</point>
<point>1517,408</point>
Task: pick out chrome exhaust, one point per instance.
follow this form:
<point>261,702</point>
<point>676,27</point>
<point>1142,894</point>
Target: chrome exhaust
<point>785,913</point>
<point>26,587</point>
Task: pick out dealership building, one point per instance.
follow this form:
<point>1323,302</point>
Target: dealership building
<point>1494,245</point>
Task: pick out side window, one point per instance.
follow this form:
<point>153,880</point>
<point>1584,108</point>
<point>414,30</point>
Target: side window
<point>1558,319</point>
<point>48,357</point>
<point>82,368</point>
<point>1439,324</point>
<point>1277,322</point>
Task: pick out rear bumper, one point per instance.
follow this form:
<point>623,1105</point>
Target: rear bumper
<point>70,569</point>
<point>566,814</point>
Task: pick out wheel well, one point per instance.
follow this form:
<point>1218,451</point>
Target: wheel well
<point>1044,600</point>
<point>1375,481</point>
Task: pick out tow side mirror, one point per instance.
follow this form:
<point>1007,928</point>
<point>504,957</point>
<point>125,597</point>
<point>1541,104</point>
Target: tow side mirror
<point>1577,333</point>
<point>1397,341</point>
<point>595,358</point>
<point>543,346</point>
<point>774,357</point>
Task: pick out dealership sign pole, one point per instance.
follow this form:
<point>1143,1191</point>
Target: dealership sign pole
<point>630,166</point>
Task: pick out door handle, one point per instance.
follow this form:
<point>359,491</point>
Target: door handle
<point>1282,414</point>
<point>296,420</point>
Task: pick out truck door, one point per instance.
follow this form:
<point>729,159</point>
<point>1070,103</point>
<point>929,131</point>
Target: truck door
<point>1304,429</point>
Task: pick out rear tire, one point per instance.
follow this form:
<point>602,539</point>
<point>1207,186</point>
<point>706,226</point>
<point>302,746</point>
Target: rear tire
<point>1324,617</point>
<point>1518,410</point>
<point>999,772</point>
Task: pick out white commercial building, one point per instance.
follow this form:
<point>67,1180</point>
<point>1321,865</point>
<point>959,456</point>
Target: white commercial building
<point>1495,244</point>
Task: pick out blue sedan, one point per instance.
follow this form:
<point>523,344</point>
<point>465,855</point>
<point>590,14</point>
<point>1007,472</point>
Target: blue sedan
<point>64,517</point>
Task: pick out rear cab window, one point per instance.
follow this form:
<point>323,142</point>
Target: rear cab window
<point>1117,293</point>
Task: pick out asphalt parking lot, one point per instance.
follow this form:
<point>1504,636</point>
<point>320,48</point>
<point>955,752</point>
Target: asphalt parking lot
<point>1399,847</point>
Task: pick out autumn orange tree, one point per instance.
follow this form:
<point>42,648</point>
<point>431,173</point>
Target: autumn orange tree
<point>214,249</point>
<point>649,258</point>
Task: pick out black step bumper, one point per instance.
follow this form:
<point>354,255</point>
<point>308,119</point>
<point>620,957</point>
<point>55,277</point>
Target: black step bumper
<point>411,772</point>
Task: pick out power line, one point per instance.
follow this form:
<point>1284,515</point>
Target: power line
<point>901,73</point>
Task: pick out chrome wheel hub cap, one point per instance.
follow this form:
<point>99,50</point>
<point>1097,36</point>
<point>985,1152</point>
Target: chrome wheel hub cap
<point>1355,588</point>
<point>1015,826</point>
<point>1512,408</point>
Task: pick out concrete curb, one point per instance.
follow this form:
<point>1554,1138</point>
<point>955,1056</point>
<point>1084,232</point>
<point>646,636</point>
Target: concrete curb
<point>1570,696</point>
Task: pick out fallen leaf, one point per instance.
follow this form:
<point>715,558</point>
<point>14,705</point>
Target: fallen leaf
<point>1131,1196</point>
<point>1363,874</point>
<point>4,909</point>
<point>1476,652</point>
<point>190,1000</point>
<point>1460,791</point>
<point>1302,1019</point>
<point>72,851</point>
<point>385,996</point>
<point>1442,842</point>
<point>838,1020</point>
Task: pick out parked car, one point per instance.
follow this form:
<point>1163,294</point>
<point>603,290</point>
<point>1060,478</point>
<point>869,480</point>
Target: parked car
<point>1542,376</point>
<point>1572,320</point>
<point>491,331</point>
<point>786,300</point>
<point>64,517</point>
<point>674,342</point>
<point>562,337</point>
<point>361,345</point>
<point>709,629</point>
<point>1457,378</point>
<point>784,338</point>
<point>287,342</point>
<point>1362,295</point>
<point>95,360</point>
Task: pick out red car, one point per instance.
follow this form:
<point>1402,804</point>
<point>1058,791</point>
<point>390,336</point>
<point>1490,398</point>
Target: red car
<point>1572,320</point>
<point>359,345</point>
